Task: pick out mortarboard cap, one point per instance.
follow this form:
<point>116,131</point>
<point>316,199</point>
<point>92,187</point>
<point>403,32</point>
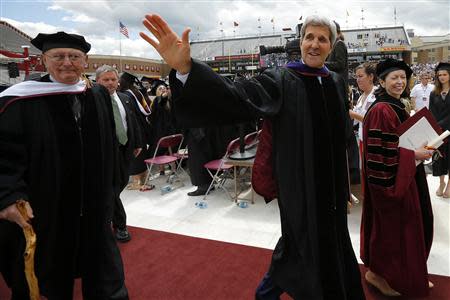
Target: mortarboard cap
<point>443,66</point>
<point>145,78</point>
<point>389,65</point>
<point>45,42</point>
<point>155,84</point>
<point>128,77</point>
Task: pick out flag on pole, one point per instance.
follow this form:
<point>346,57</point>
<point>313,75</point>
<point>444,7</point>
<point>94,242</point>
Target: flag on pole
<point>123,29</point>
<point>235,24</point>
<point>347,13</point>
<point>271,20</point>
<point>301,17</point>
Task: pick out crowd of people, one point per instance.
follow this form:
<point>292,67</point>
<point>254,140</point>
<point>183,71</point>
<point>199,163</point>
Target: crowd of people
<point>69,148</point>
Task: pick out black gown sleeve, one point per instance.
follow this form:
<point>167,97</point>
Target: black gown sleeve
<point>209,99</point>
<point>13,157</point>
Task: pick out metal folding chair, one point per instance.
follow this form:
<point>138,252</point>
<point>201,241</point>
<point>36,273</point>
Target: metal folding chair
<point>172,143</point>
<point>182,154</point>
<point>220,171</point>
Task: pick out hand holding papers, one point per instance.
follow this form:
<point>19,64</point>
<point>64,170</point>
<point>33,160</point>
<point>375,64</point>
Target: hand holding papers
<point>419,129</point>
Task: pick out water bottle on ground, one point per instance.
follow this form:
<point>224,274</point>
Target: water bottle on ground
<point>201,204</point>
<point>166,189</point>
<point>242,204</point>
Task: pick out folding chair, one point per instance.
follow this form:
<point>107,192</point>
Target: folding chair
<point>181,154</point>
<point>169,142</point>
<point>221,169</point>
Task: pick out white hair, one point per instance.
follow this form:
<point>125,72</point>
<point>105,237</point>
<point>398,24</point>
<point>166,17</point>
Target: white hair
<point>105,69</point>
<point>315,20</point>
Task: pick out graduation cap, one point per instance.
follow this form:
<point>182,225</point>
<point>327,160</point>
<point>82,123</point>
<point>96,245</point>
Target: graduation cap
<point>155,84</point>
<point>130,78</point>
<point>389,65</point>
<point>45,42</point>
<point>443,66</point>
<point>145,78</point>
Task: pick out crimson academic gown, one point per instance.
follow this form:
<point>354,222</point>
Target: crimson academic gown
<point>314,258</point>
<point>397,220</point>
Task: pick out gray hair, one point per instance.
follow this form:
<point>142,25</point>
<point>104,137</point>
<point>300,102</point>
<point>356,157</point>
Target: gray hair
<point>105,69</point>
<point>315,20</point>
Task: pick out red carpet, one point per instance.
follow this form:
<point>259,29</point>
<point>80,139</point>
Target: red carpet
<point>162,265</point>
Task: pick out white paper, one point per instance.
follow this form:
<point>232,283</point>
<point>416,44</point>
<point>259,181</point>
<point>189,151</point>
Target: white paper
<point>418,134</point>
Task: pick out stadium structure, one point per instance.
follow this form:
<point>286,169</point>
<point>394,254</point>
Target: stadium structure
<point>242,54</point>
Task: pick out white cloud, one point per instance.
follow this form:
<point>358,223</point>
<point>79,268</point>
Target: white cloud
<point>98,20</point>
<point>80,18</point>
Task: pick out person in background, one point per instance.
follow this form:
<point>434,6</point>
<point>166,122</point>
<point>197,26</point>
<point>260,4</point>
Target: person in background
<point>337,61</point>
<point>420,93</point>
<point>138,168</point>
<point>129,138</point>
<point>440,108</point>
<point>162,119</point>
<point>59,155</point>
<point>366,78</point>
<point>305,105</point>
<point>397,218</point>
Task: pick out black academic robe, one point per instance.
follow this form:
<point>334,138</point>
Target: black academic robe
<point>137,164</point>
<point>162,122</point>
<point>440,108</point>
<point>67,175</point>
<point>314,258</point>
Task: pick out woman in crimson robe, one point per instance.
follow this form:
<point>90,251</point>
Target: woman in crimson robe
<point>397,221</point>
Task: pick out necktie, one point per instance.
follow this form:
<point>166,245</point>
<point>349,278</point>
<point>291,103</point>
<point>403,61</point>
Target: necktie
<point>76,109</point>
<point>120,129</point>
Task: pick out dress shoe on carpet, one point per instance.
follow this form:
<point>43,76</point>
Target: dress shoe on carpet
<point>122,235</point>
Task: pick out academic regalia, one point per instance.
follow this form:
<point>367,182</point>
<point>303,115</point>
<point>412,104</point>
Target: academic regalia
<point>137,164</point>
<point>440,108</point>
<point>67,174</point>
<point>314,258</point>
<point>397,219</point>
<point>162,122</point>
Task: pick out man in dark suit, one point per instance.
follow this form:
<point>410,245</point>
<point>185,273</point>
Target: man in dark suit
<point>128,136</point>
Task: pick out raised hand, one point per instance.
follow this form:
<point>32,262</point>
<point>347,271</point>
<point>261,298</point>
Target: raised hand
<point>176,52</point>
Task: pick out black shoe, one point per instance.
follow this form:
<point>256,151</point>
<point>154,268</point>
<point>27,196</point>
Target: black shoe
<point>200,191</point>
<point>122,235</point>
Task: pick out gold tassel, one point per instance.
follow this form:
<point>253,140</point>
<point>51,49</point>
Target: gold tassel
<point>87,81</point>
<point>30,238</point>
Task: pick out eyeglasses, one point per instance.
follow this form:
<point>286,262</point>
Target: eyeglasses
<point>59,58</point>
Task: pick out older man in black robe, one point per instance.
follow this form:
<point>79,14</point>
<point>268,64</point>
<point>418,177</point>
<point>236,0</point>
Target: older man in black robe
<point>58,153</point>
<point>304,102</point>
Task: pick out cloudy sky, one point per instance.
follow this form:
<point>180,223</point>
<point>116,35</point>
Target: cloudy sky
<point>98,20</point>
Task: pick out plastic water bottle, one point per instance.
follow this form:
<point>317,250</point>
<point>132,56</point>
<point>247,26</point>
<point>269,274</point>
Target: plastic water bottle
<point>243,204</point>
<point>166,189</point>
<point>201,204</point>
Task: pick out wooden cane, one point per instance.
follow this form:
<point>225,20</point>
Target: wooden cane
<point>30,238</point>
